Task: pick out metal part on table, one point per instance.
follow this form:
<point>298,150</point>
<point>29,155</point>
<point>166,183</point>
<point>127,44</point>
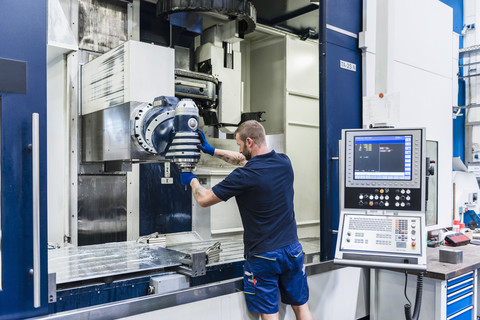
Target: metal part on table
<point>450,255</point>
<point>154,238</point>
<point>110,259</point>
<point>232,249</point>
<point>213,252</point>
<point>194,264</point>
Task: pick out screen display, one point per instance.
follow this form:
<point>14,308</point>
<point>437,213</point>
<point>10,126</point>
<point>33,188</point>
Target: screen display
<point>383,158</point>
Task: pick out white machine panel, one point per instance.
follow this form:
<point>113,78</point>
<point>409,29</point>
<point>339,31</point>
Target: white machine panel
<point>133,71</point>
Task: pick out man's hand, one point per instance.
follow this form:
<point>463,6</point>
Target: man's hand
<point>186,178</point>
<point>205,146</point>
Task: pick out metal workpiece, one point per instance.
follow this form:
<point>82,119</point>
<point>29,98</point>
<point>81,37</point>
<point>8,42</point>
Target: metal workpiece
<point>193,264</point>
<point>243,10</point>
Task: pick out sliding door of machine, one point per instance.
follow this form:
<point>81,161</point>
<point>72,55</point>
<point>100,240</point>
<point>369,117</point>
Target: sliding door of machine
<point>23,250</point>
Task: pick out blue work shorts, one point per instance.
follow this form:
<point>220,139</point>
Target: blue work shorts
<point>267,274</point>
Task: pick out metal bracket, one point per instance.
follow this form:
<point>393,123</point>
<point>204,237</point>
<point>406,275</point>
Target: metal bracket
<point>194,264</point>
<point>52,287</point>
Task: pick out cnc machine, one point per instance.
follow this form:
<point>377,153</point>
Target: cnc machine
<point>132,231</point>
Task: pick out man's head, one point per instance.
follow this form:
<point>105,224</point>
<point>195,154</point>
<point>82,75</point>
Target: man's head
<point>250,135</point>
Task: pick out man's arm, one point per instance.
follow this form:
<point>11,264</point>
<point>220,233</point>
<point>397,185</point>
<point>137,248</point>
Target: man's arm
<point>232,157</point>
<point>204,197</point>
<point>235,158</point>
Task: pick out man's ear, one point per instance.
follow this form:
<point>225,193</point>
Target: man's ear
<point>249,142</point>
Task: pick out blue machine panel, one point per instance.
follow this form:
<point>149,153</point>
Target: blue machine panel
<point>340,104</point>
<point>23,38</point>
<point>163,207</point>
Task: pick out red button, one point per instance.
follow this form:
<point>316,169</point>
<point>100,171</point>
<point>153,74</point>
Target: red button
<point>414,244</point>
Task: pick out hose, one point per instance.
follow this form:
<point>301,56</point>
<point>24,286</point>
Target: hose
<point>418,299</point>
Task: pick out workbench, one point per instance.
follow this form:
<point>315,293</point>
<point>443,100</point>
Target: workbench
<point>449,290</point>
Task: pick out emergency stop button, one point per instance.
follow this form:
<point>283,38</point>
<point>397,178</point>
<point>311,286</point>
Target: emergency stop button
<point>414,244</point>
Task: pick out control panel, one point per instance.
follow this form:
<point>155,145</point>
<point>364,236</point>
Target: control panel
<point>383,198</point>
<point>388,234</point>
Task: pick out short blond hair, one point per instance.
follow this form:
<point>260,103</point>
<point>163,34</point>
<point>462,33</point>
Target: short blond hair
<point>251,129</point>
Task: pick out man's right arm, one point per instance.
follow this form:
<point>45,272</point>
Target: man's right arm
<point>232,157</point>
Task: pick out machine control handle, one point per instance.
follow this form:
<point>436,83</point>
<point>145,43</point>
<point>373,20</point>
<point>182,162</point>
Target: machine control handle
<point>36,209</point>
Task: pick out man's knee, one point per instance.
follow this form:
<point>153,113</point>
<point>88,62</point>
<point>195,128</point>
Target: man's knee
<point>302,311</point>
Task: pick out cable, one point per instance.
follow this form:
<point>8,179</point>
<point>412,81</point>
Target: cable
<point>405,289</point>
<point>418,298</point>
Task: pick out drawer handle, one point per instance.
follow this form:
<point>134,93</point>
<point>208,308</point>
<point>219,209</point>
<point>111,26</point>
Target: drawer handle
<point>460,298</point>
<point>461,290</point>
<point>460,283</point>
<point>460,276</point>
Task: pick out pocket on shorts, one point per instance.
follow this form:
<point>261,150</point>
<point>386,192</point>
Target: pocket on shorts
<point>294,250</point>
<point>249,282</point>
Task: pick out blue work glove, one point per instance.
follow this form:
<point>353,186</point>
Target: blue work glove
<point>205,146</point>
<point>186,177</point>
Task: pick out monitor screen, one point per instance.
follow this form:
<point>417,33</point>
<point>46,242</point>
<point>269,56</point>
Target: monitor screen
<point>383,157</point>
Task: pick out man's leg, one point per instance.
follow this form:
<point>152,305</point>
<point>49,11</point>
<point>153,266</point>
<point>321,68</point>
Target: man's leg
<point>273,316</point>
<point>302,312</point>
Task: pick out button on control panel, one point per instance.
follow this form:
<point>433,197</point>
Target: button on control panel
<point>383,198</point>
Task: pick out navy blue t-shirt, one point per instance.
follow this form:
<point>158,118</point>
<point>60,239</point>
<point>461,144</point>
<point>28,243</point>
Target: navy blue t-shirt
<point>263,189</point>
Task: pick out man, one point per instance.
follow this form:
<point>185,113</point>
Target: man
<point>263,188</point>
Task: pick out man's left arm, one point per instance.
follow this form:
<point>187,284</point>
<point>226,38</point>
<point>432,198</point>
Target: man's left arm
<point>204,197</point>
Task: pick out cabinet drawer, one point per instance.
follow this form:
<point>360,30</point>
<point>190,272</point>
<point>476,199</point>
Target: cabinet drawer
<point>456,305</point>
<point>460,282</point>
<point>458,293</point>
<point>466,314</point>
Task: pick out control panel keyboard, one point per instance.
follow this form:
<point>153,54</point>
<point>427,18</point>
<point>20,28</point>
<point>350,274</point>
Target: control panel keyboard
<point>390,234</point>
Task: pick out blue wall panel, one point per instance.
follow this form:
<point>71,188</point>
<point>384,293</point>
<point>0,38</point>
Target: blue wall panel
<point>340,104</point>
<point>22,37</point>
